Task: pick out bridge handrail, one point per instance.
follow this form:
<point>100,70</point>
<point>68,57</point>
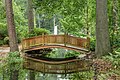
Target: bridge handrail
<point>56,40</point>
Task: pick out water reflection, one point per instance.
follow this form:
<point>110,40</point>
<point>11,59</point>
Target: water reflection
<point>55,53</point>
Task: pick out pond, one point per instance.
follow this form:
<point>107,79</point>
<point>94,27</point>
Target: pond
<point>24,73</point>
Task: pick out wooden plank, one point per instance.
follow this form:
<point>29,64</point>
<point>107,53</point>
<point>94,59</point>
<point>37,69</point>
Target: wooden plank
<point>56,40</point>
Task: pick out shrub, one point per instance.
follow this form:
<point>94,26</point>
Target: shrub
<point>1,42</point>
<point>37,32</point>
<point>92,44</point>
<point>3,30</point>
<point>6,40</point>
<point>3,34</point>
<point>22,32</point>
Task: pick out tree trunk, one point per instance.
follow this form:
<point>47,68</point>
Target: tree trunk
<point>12,35</point>
<point>30,16</point>
<point>31,27</point>
<point>102,31</point>
<point>11,26</point>
<point>38,19</point>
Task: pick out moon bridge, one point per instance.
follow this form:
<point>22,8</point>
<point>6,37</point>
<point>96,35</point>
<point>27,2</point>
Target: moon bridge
<point>56,66</point>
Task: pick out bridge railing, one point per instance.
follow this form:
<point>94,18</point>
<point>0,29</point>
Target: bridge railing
<point>65,40</point>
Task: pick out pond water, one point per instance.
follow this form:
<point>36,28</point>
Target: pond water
<point>24,73</point>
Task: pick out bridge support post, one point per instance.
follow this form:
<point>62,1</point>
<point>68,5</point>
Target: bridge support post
<point>43,39</point>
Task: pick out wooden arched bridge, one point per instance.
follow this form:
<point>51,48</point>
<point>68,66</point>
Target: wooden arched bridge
<point>56,65</point>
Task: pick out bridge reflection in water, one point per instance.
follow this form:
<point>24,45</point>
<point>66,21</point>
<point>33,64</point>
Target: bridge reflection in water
<point>56,65</point>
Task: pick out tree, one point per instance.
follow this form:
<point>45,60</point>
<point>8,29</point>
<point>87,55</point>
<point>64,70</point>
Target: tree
<point>12,34</point>
<point>31,27</point>
<point>102,31</point>
<point>11,26</point>
<point>30,16</point>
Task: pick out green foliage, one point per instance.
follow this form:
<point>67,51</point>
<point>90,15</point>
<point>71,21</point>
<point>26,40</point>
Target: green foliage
<point>1,42</point>
<point>115,39</point>
<point>117,50</point>
<point>73,18</point>
<point>86,75</point>
<point>4,34</point>
<point>71,25</point>
<point>61,53</point>
<point>92,44</point>
<point>3,30</point>
<point>2,12</point>
<point>69,19</point>
<point>115,60</point>
<point>20,17</point>
<point>22,31</point>
<point>14,60</point>
<point>53,6</point>
<point>71,54</point>
<point>19,8</point>
<point>6,40</point>
<point>73,14</point>
<point>38,31</point>
<point>19,14</point>
<point>114,17</point>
